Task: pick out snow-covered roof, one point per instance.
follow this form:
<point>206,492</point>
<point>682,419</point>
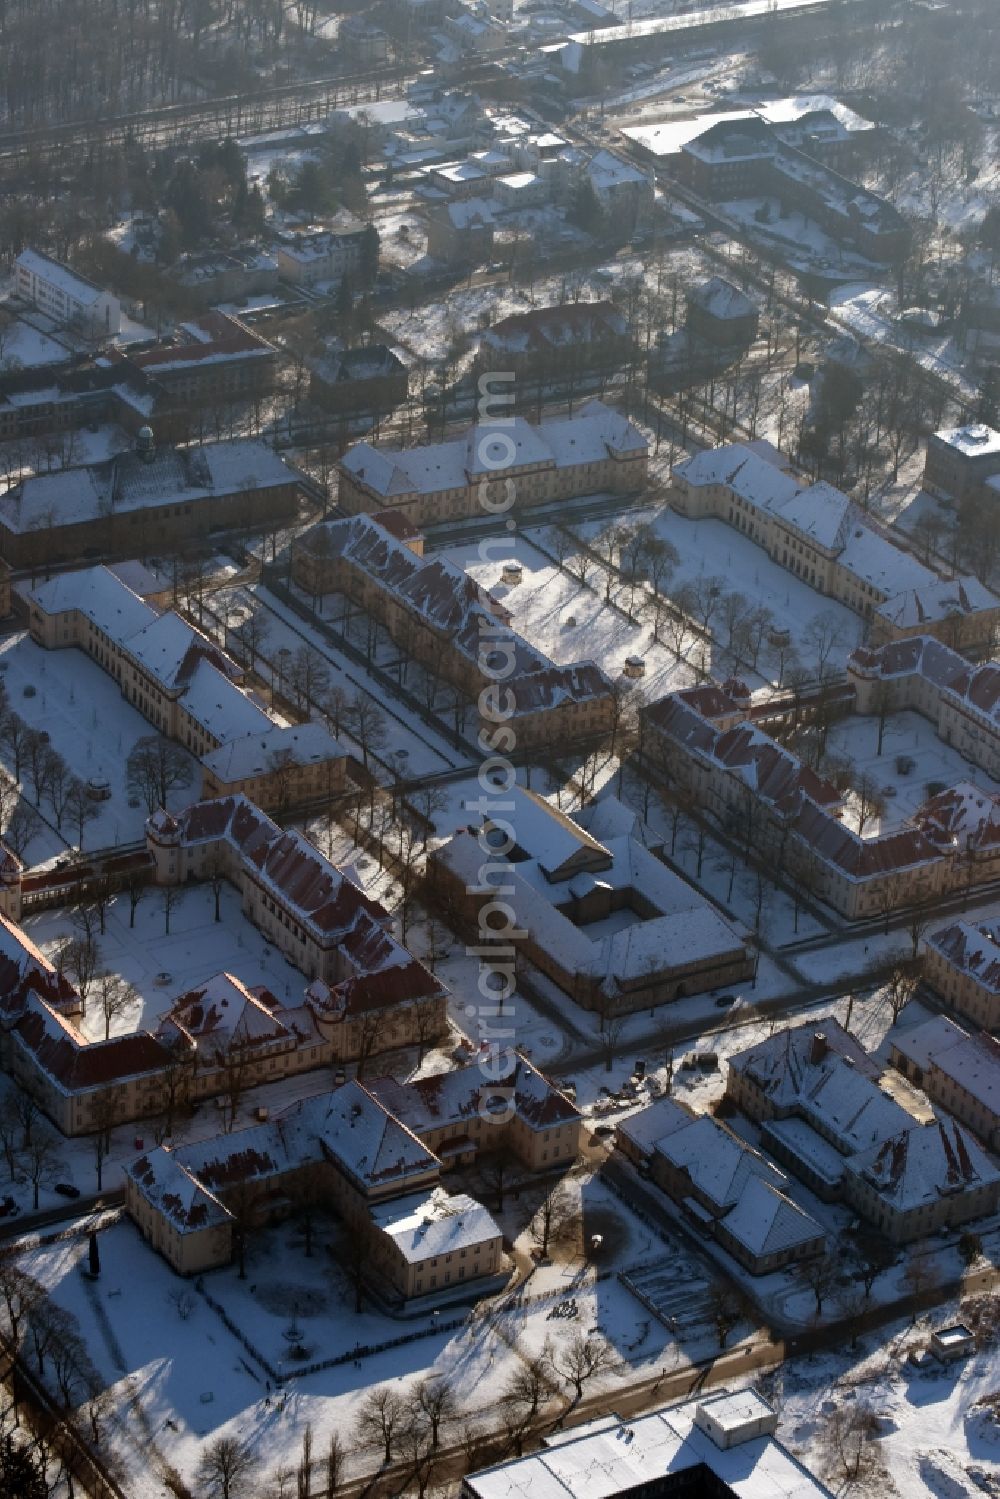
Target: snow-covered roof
<point>547,834</point>
<point>56,274</point>
<point>823,515</point>
<point>684,929</point>
<point>717,1162</point>
<point>220,707</point>
<point>611,1457</point>
<point>589,436</point>
<point>974,440</point>
<point>972,1063</point>
<point>939,600</point>
<point>100,596</point>
<point>647,1127</point>
<point>256,754</point>
<point>974,948</point>
<point>444,1100</point>
<point>721,299</point>
<point>428,1224</point>
<point>918,1166</point>
<point>132,481</point>
<point>764,1221</point>
<point>379,971</point>
<point>221,1016</point>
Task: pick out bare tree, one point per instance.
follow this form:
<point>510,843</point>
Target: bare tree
<point>869,801</point>
<point>154,768</point>
<point>851,1432</point>
<point>381,1418</point>
<point>555,1218</point>
<point>582,1357</point>
<point>20,1293</point>
<point>226,1468</point>
<point>336,1457</point>
<point>24,825</point>
<point>726,1310</point>
<point>528,1386</point>
<point>366,722</point>
<point>80,809</point>
<point>170,899</point>
<point>249,637</point>
<point>613,1018</point>
<point>825,634</point>
<point>115,995</point>
<point>41,1157</point>
<point>819,1273</point>
<point>436,1405</point>
<point>79,958</point>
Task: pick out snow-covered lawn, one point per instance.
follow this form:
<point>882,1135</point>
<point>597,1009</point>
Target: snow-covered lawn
<point>164,967</point>
<point>566,620</point>
<point>27,343</point>
<point>855,739</point>
<point>426,750</point>
<point>935,1439</point>
<point>91,725</point>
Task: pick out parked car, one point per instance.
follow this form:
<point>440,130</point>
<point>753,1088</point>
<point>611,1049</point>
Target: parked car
<point>66,1189</point>
<point>724,1001</point>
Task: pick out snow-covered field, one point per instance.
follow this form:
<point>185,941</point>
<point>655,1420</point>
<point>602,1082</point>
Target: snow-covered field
<point>164,967</point>
<point>91,725</point>
<point>906,735</point>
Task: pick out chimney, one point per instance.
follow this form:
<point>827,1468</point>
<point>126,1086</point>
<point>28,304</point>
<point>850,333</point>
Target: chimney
<point>819,1048</point>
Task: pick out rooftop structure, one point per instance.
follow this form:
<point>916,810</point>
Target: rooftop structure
<point>608,922</point>
<point>725,1440</point>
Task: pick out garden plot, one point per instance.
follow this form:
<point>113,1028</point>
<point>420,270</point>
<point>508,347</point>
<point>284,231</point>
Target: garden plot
<point>91,725</point>
<point>164,967</point>
<point>869,311</point>
<point>907,736</point>
<point>798,237</point>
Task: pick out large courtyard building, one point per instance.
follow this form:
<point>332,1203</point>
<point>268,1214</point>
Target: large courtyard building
<point>602,916</point>
<point>593,452</point>
<point>451,627</point>
<point>189,689</point>
<point>342,1150</point>
<point>145,499</point>
<point>364,992</point>
<point>821,536</point>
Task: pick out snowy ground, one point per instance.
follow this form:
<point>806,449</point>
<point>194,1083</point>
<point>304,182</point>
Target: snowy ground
<point>426,750</point>
<point>710,548</point>
<point>179,1378</point>
<point>870,311</point>
<point>566,620</point>
<point>164,967</point>
<point>91,725</point>
<point>855,739</point>
<point>936,1439</point>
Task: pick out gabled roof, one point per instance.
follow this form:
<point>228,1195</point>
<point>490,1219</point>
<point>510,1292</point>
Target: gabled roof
<point>766,1222</point>
<point>918,1166</point>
